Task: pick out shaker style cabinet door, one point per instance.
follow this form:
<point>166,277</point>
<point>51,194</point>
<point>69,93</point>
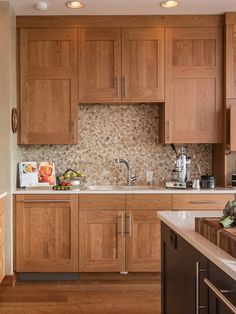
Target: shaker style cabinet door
<point>194,72</point>
<point>48,86</point>
<point>230,61</point>
<point>101,241</point>
<point>99,64</point>
<point>142,241</point>
<point>143,64</point>
<point>46,233</point>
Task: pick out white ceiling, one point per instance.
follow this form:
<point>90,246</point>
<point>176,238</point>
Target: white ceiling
<point>126,7</point>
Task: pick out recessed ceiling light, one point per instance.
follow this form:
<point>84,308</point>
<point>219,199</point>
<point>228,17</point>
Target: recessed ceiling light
<point>41,6</point>
<point>74,4</point>
<point>169,4</point>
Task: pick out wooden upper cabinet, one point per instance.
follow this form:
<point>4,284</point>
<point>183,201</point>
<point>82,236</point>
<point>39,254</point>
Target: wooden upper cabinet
<point>230,61</point>
<point>99,64</point>
<point>193,91</point>
<point>143,64</point>
<point>48,86</point>
<point>133,73</point>
<point>46,233</point>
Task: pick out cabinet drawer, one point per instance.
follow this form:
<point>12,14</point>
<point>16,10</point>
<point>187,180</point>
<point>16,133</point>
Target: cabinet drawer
<point>201,202</point>
<point>2,271</point>
<point>1,206</point>
<point>149,201</point>
<point>102,202</point>
<point>1,230</point>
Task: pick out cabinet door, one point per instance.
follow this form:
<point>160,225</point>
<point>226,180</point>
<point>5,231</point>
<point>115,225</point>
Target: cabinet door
<point>230,61</point>
<point>102,241</point>
<point>143,64</point>
<point>46,233</point>
<point>142,241</point>
<point>48,86</point>
<point>224,285</point>
<point>180,278</point>
<point>99,64</point>
<point>193,64</point>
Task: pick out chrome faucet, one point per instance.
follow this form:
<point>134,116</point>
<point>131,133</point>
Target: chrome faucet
<point>129,179</point>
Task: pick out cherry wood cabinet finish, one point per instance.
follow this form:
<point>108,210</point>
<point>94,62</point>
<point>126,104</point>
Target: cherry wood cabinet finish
<point>2,241</point>
<point>121,232</point>
<point>149,202</point>
<point>142,241</point>
<point>102,202</point>
<point>193,86</point>
<point>46,233</point>
<point>99,64</point>
<point>232,128</point>
<point>120,21</point>
<point>102,241</point>
<point>143,64</point>
<point>201,202</point>
<point>100,61</point>
<point>48,86</point>
<point>230,49</point>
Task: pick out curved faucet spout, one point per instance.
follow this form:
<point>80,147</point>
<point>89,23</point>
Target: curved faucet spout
<point>129,179</point>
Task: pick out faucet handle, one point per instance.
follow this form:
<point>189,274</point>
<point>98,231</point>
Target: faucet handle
<point>132,179</point>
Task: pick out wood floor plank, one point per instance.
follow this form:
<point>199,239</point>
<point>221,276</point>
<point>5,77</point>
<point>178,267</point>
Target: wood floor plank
<point>83,297</point>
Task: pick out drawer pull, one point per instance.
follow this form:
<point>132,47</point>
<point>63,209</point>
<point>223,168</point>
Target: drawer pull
<point>220,295</point>
<point>46,201</point>
<point>203,202</point>
<point>198,270</point>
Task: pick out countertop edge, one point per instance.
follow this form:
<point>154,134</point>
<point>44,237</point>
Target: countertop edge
<point>199,245</point>
<point>133,191</point>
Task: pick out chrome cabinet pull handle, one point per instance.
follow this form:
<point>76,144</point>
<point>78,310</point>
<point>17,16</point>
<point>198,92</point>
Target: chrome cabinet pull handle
<point>168,130</point>
<point>124,87</point>
<point>220,296</point>
<point>203,202</point>
<point>46,201</point>
<point>118,86</point>
<point>121,225</point>
<point>198,270</point>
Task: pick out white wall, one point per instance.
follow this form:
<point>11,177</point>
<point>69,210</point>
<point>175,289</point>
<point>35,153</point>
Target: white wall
<point>9,151</point>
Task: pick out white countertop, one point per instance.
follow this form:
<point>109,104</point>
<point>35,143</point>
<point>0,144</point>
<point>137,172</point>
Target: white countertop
<point>2,194</point>
<point>126,190</point>
<point>183,223</point>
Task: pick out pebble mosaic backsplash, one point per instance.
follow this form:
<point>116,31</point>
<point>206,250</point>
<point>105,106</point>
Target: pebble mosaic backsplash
<point>126,131</point>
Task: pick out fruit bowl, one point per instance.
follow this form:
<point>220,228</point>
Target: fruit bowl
<point>73,178</point>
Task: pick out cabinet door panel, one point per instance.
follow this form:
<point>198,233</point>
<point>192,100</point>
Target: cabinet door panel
<point>101,241</point>
<point>48,86</point>
<point>142,241</point>
<point>46,234</point>
<point>99,64</point>
<point>231,61</point>
<point>143,64</point>
<point>194,72</point>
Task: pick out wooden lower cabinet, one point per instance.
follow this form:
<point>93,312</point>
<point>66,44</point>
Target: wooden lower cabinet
<point>201,201</point>
<point>102,241</point>
<point>46,233</point>
<point>2,242</point>
<point>121,233</point>
<point>142,241</point>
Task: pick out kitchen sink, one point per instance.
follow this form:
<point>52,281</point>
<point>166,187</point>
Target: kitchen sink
<point>118,187</point>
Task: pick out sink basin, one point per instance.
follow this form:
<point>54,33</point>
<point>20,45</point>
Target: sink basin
<point>106,187</point>
<point>118,187</point>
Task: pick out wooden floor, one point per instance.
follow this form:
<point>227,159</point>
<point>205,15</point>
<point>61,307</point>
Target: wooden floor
<point>126,296</point>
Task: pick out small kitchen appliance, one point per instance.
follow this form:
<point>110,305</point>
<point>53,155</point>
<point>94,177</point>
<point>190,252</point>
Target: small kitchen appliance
<point>181,169</point>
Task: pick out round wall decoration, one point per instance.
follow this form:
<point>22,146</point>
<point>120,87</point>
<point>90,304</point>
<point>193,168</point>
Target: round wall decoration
<point>14,120</point>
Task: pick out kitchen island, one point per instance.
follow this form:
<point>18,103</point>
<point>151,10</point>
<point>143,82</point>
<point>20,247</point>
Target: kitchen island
<point>197,276</point>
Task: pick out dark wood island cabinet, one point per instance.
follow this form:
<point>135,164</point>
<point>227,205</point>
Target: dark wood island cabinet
<point>191,283</point>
